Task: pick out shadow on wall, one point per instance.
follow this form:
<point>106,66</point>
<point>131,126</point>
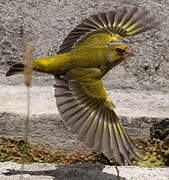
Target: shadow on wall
<point>71,172</point>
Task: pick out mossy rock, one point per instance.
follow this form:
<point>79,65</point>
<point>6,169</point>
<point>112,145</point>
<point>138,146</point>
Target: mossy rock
<point>160,130</point>
<point>17,150</point>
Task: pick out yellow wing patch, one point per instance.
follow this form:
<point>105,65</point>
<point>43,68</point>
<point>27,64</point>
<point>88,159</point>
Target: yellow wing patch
<point>99,30</point>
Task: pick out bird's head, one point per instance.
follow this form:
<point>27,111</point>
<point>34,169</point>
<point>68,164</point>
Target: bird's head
<point>117,53</point>
<point>124,52</point>
<point>120,50</point>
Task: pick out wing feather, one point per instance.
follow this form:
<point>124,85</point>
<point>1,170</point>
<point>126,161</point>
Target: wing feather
<point>92,121</point>
<point>110,19</point>
<point>113,141</point>
<point>105,137</point>
<point>119,23</point>
<point>92,131</point>
<point>75,122</point>
<point>99,131</point>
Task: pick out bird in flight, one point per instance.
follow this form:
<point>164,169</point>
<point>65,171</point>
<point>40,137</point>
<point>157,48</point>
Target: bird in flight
<point>90,50</point>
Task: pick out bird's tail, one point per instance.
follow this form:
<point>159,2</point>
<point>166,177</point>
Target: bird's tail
<point>15,67</point>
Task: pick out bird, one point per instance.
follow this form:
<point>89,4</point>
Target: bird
<point>92,49</point>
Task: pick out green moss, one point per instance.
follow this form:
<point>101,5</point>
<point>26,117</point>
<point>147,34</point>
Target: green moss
<point>17,150</point>
<point>12,150</point>
<point>155,153</point>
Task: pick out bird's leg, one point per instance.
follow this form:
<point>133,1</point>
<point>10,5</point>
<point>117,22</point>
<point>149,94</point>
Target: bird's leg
<point>118,174</point>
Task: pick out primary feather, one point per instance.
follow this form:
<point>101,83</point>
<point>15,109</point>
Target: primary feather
<point>92,117</point>
<point>98,30</point>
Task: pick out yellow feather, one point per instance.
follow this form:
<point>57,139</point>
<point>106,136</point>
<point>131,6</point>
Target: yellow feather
<point>131,27</point>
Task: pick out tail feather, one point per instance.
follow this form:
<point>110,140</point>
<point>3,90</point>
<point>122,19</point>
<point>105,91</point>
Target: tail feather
<point>15,68</point>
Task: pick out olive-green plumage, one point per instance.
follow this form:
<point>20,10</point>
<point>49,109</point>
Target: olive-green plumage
<point>88,52</point>
<point>82,58</point>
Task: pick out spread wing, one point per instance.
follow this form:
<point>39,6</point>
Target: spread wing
<point>86,109</point>
<point>100,29</point>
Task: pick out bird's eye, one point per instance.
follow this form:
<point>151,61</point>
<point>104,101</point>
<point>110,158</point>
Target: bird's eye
<point>120,51</point>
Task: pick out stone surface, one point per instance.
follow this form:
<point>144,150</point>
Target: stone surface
<point>47,22</point>
<point>137,110</point>
<point>37,171</point>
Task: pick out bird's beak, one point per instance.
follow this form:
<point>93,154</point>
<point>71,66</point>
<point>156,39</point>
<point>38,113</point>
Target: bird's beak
<point>128,53</point>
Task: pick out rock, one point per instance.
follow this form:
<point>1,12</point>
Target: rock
<point>160,130</point>
<point>48,22</point>
<point>137,110</point>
